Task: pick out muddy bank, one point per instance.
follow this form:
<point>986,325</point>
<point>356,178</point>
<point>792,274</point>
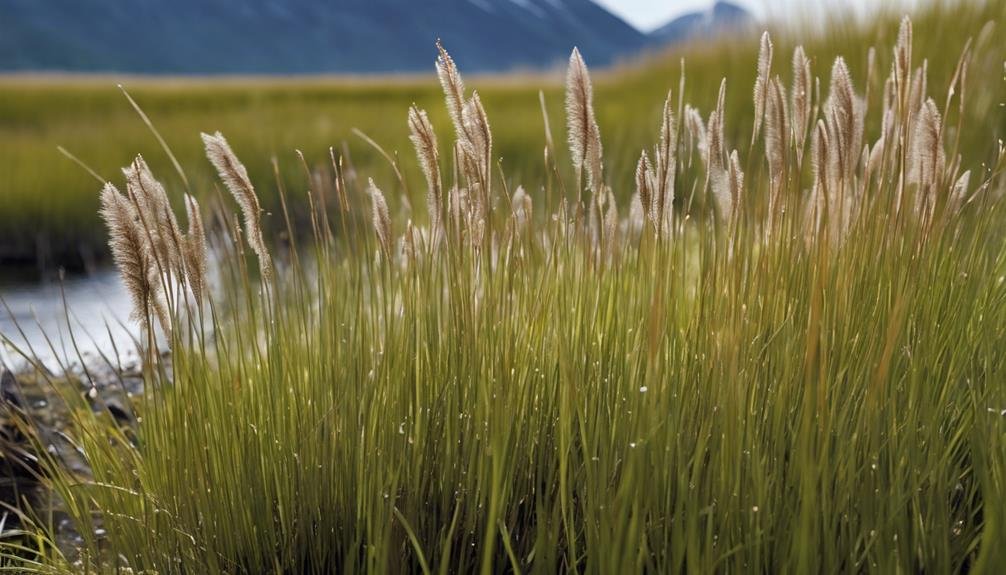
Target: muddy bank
<point>36,415</point>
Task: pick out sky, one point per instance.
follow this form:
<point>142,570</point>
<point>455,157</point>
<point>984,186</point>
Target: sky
<point>649,14</point>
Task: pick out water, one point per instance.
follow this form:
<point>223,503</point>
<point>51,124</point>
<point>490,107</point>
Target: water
<point>94,310</point>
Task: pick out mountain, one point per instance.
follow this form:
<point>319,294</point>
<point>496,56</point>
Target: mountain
<point>304,36</point>
<point>721,17</point>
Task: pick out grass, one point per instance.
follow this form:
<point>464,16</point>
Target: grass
<point>751,394</point>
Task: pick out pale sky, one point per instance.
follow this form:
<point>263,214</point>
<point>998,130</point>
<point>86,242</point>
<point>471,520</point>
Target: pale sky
<point>649,14</point>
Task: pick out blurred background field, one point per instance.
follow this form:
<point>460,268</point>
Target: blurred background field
<point>48,205</point>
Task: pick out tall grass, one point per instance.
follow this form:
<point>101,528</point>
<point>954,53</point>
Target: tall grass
<point>49,208</point>
<point>783,353</point>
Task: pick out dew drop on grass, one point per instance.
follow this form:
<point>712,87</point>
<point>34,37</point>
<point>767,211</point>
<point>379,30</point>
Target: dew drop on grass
<point>643,389</point>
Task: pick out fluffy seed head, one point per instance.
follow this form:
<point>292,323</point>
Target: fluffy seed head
<point>903,56</point>
<point>927,158</point>
<point>160,227</point>
<point>132,256</point>
<point>644,186</point>
<point>959,193</point>
<point>736,182</point>
<point>424,139</point>
<point>380,217</point>
<point>480,138</point>
<point>454,89</point>
<point>584,133</point>
<point>235,177</point>
<point>194,252</point>
<point>801,97</point>
<point>776,128</point>
<point>762,81</point>
<point>844,113</point>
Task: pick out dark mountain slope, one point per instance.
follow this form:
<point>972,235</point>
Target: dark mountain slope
<point>303,36</point>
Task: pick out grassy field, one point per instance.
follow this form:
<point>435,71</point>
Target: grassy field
<point>48,205</point>
<point>794,366</point>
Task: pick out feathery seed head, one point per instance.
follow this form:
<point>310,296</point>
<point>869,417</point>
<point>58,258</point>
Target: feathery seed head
<point>927,158</point>
<point>584,133</point>
<point>801,98</point>
<point>736,181</point>
<point>903,57</point>
<point>762,81</point>
<point>159,225</point>
<point>132,256</point>
<point>453,87</point>
<point>381,218</point>
<point>776,128</point>
<point>424,139</point>
<point>235,178</point>
<point>194,252</point>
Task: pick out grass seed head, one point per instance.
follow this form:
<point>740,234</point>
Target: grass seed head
<point>235,178</point>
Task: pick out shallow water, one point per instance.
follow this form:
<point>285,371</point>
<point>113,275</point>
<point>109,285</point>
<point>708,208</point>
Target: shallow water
<point>38,323</point>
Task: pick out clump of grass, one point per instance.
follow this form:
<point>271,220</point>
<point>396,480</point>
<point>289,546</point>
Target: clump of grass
<point>767,366</point>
